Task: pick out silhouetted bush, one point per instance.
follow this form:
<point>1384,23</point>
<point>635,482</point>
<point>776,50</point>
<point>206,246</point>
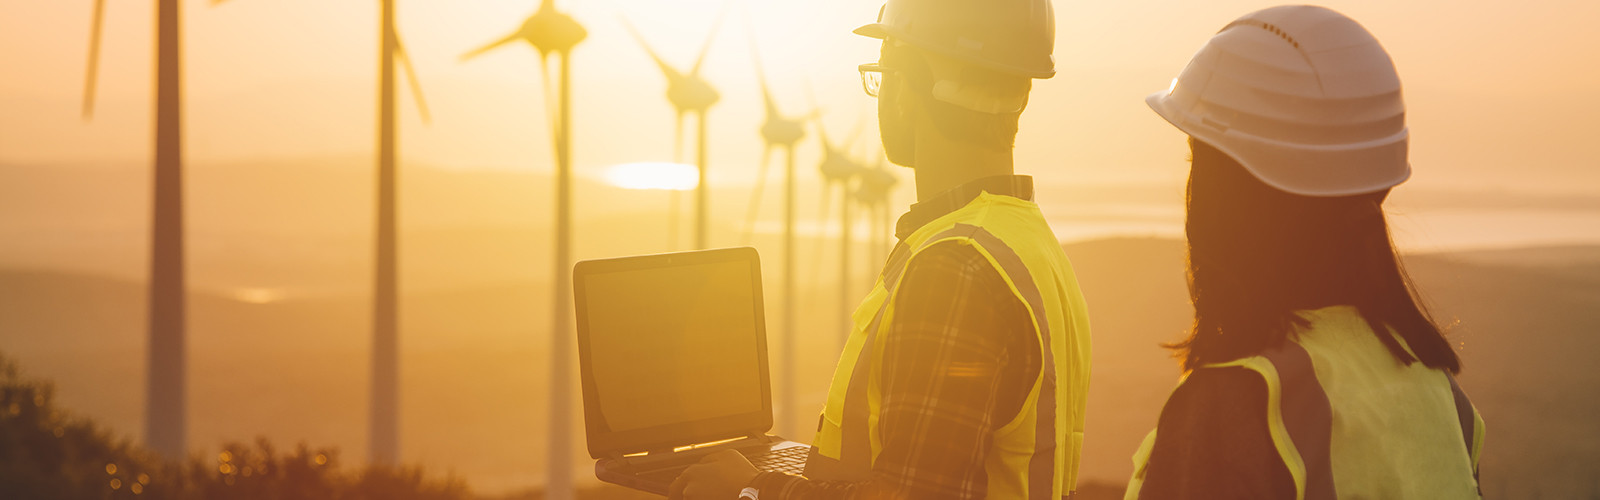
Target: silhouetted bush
<point>47,454</point>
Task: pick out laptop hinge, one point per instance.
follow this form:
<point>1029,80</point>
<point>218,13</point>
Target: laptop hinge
<point>659,452</point>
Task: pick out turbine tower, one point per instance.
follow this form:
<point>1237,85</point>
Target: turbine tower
<point>549,30</point>
<point>383,439</point>
<point>838,169</point>
<point>165,400</point>
<point>780,132</point>
<point>689,93</point>
<point>872,193</point>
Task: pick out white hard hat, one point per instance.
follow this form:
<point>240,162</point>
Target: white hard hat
<point>1301,96</point>
<point>1010,36</point>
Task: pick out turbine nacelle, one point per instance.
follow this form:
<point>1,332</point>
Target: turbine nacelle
<point>687,91</point>
<point>876,183</point>
<point>836,162</point>
<point>780,132</point>
<point>690,93</point>
<point>836,166</point>
<point>549,30</point>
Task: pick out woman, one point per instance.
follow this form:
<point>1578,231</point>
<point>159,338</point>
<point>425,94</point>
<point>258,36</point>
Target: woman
<point>1312,369</point>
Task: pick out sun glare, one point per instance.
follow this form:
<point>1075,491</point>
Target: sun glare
<point>258,295</point>
<point>664,176</point>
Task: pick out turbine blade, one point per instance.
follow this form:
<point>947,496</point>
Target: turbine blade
<point>822,130</point>
<point>712,35</point>
<point>816,110</point>
<point>672,73</point>
<point>94,59</point>
<point>761,75</point>
<point>755,198</point>
<point>855,133</point>
<point>411,79</point>
<point>491,46</point>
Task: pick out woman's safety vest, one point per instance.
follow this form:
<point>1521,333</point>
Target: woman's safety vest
<point>1351,421</point>
<point>1035,455</point>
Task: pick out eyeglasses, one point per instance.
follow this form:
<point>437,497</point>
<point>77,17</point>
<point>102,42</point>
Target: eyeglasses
<point>872,77</point>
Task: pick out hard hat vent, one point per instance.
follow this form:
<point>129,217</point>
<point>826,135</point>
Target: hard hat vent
<point>1263,25</point>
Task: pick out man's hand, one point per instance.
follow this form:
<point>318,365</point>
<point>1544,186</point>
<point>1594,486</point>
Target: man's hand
<point>718,476</point>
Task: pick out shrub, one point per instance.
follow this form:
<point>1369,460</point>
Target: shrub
<point>47,454</point>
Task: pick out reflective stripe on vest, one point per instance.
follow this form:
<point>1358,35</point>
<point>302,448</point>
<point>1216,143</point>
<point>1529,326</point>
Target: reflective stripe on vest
<point>1300,422</point>
<point>1303,412</point>
<point>848,450</point>
<point>1471,427</point>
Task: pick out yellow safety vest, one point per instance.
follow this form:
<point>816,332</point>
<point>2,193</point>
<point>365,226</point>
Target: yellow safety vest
<point>1350,421</point>
<point>1036,454</point>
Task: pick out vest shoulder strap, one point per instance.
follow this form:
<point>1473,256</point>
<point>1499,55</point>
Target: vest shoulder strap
<point>1042,465</point>
<point>1299,417</point>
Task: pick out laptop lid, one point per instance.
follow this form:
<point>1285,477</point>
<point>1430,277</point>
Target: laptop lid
<point>672,349</point>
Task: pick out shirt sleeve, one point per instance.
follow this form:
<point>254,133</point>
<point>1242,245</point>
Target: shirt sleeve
<point>1212,441</point>
<point>959,360</point>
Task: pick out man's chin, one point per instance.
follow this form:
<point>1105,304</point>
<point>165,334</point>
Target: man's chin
<point>900,152</point>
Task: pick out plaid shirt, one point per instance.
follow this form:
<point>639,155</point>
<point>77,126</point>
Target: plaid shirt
<point>960,357</point>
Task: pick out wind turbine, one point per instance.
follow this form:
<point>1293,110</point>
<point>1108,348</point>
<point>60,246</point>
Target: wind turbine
<point>780,132</point>
<point>165,399</point>
<point>873,194</point>
<point>689,93</point>
<point>838,169</point>
<point>383,441</point>
<point>549,30</point>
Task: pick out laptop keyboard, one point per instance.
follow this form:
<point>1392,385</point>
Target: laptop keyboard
<point>780,460</point>
<point>790,460</point>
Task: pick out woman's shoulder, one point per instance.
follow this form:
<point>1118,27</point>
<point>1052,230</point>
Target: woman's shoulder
<point>1217,392</point>
<point>1213,440</point>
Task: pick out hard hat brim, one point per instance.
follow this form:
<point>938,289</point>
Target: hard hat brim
<point>874,30</point>
<point>1271,161</point>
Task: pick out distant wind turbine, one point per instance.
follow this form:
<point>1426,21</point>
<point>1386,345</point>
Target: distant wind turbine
<point>838,169</point>
<point>165,400</point>
<point>780,132</point>
<point>383,442</point>
<point>877,182</point>
<point>549,30</point>
<point>689,93</point>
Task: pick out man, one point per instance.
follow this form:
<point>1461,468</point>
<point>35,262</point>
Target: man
<point>966,373</point>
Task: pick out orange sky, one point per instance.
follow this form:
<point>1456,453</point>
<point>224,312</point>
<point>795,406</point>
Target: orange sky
<point>1500,95</point>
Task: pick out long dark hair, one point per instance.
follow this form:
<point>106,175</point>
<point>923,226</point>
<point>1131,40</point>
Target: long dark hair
<point>1258,254</point>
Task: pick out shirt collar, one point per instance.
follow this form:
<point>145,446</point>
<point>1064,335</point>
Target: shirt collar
<point>923,212</point>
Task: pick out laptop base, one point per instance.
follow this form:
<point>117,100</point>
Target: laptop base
<point>655,472</point>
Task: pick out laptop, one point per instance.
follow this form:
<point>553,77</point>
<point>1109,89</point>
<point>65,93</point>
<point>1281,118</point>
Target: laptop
<point>673,355</point>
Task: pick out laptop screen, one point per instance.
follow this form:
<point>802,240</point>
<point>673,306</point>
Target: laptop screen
<point>671,344</point>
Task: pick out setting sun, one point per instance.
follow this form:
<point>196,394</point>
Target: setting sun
<point>654,175</point>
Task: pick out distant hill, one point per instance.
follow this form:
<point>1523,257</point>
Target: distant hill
<point>473,365</point>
